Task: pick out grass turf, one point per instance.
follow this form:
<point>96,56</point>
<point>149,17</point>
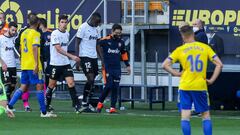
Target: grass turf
<point>139,121</point>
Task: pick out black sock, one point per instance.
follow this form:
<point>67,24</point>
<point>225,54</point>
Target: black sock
<point>114,97</point>
<point>9,91</point>
<point>86,91</point>
<point>104,94</point>
<point>73,95</point>
<point>48,96</point>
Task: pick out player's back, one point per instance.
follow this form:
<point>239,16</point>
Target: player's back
<point>29,38</point>
<point>193,57</point>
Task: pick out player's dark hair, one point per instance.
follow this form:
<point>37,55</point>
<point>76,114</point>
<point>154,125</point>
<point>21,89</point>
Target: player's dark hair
<point>62,17</point>
<point>43,22</point>
<point>96,15</point>
<point>12,24</point>
<point>186,30</point>
<point>33,19</point>
<point>30,15</point>
<point>116,27</point>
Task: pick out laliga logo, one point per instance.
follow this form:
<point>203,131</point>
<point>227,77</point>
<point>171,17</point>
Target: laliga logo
<point>12,11</point>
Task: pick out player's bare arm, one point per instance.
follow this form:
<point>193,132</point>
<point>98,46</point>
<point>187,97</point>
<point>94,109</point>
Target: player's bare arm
<point>4,66</point>
<point>100,53</point>
<point>35,54</point>
<point>61,51</point>
<point>167,65</point>
<point>218,68</point>
<point>77,43</point>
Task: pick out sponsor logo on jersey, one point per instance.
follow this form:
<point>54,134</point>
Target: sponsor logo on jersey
<point>93,37</point>
<point>114,51</point>
<point>9,49</point>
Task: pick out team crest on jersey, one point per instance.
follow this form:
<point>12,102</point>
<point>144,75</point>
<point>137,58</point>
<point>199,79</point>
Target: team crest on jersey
<point>49,37</point>
<point>109,43</point>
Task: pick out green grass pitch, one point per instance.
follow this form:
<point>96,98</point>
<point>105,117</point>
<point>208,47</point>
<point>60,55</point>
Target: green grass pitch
<point>139,121</point>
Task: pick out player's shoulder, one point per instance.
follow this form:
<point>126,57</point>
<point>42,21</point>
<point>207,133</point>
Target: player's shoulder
<point>106,38</point>
<point>2,38</point>
<point>84,25</point>
<point>49,30</point>
<point>32,31</point>
<point>122,42</point>
<point>203,45</point>
<point>55,32</point>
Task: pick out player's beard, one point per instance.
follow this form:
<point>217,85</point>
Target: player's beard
<point>10,34</point>
<point>117,36</point>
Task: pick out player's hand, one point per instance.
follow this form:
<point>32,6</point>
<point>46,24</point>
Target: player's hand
<point>36,69</point>
<point>178,74</point>
<point>4,67</point>
<point>129,70</point>
<point>10,114</point>
<point>209,82</point>
<point>75,58</point>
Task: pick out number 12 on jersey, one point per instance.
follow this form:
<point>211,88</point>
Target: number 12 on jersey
<point>196,63</point>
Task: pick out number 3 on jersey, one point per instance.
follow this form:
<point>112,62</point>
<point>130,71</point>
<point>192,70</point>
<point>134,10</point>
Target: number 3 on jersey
<point>25,45</point>
<point>196,63</point>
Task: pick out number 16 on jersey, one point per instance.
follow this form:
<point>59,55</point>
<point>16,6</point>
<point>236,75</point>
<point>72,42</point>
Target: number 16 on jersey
<point>196,63</point>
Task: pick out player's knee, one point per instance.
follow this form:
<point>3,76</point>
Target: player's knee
<point>206,115</point>
<point>90,81</point>
<point>39,87</point>
<point>51,84</point>
<point>24,88</point>
<point>185,114</point>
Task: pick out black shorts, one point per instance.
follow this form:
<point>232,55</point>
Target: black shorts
<point>10,77</point>
<point>48,70</point>
<point>59,72</point>
<point>89,65</point>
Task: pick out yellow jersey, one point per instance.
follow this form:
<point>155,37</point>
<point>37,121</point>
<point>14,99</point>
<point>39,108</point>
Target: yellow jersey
<point>193,57</point>
<point>29,38</point>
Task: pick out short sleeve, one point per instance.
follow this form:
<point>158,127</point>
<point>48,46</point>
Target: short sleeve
<point>123,47</point>
<point>80,32</point>
<point>98,33</point>
<point>211,54</point>
<point>174,56</point>
<point>54,39</point>
<point>36,39</point>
